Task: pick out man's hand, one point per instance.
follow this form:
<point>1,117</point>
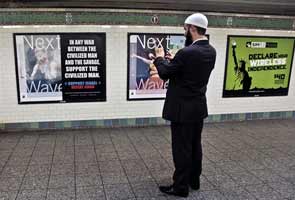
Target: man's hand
<point>153,70</point>
<point>159,52</point>
<point>169,56</point>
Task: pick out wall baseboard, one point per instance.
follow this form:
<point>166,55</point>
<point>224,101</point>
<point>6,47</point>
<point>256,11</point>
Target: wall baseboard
<point>137,122</point>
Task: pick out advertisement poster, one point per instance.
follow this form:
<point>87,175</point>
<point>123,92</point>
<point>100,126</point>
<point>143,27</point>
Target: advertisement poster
<point>258,66</point>
<point>60,67</point>
<point>141,85</point>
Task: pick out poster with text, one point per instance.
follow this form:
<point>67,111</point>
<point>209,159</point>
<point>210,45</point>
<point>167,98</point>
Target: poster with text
<point>142,85</point>
<point>60,67</point>
<point>258,66</point>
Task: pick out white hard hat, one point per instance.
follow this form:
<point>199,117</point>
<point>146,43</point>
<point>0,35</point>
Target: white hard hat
<point>197,19</point>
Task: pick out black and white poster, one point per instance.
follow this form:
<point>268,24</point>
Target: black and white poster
<point>60,67</point>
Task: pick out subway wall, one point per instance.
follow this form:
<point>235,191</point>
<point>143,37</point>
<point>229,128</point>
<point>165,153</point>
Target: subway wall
<point>117,111</point>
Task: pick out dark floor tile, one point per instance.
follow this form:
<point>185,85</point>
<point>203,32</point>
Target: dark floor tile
<point>286,189</point>
<point>88,180</point>
<point>85,157</point>
<point>162,177</point>
<point>3,160</point>
<point>114,177</point>
<point>205,184</point>
<point>87,168</point>
<point>231,166</point>
<point>61,181</point>
<point>211,169</point>
<point>148,153</point>
<point>61,194</point>
<point>8,195</point>
<point>146,189</point>
<point>208,195</point>
<point>23,152</point>
<point>110,166</point>
<point>237,193</point>
<point>263,192</point>
<point>156,164</point>
<point>289,175</point>
<point>252,164</point>
<point>118,192</point>
<point>218,157</point>
<point>43,152</point>
<point>221,181</point>
<point>35,183</point>
<point>150,198</point>
<point>41,160</point>
<point>32,195</point>
<point>109,156</point>
<point>128,156</point>
<point>63,169</point>
<point>90,193</point>
<point>266,175</point>
<point>245,178</point>
<point>13,171</point>
<point>38,170</point>
<point>61,142</point>
<point>10,184</point>
<point>134,165</point>
<point>105,148</point>
<point>5,152</point>
<point>140,176</point>
<point>63,159</point>
<point>17,161</point>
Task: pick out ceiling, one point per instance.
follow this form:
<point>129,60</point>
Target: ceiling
<point>269,7</point>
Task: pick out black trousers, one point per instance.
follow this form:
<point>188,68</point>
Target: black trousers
<point>187,153</point>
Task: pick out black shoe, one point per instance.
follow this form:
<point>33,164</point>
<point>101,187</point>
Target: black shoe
<point>195,185</point>
<point>171,191</point>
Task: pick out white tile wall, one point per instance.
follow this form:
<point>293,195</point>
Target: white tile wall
<point>117,106</point>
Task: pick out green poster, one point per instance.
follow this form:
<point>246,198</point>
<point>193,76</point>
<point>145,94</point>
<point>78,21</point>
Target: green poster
<point>258,66</point>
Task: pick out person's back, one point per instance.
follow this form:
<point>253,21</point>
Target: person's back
<point>196,69</point>
<point>185,98</point>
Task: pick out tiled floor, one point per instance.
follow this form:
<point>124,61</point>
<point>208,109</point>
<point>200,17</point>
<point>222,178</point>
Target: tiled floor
<point>242,160</point>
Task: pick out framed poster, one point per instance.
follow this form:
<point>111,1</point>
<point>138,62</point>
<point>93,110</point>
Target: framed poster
<point>60,67</point>
<point>140,85</point>
<point>258,66</point>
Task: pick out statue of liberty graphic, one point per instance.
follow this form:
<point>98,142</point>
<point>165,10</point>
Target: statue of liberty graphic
<point>242,76</point>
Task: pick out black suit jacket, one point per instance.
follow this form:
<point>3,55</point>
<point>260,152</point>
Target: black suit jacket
<point>188,73</point>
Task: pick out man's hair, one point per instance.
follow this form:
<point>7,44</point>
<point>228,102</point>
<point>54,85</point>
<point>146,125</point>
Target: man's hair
<point>201,31</point>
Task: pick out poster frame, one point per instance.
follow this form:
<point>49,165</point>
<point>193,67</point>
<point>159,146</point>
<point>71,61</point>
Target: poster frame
<point>255,95</point>
<point>101,34</point>
<point>128,63</point>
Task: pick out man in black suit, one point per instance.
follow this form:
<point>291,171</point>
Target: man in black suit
<point>186,105</point>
